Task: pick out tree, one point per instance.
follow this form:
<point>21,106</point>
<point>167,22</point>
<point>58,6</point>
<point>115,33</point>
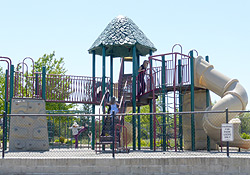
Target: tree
<point>245,123</point>
<point>54,66</point>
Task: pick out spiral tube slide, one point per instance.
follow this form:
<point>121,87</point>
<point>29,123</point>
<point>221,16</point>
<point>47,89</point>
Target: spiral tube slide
<point>233,96</point>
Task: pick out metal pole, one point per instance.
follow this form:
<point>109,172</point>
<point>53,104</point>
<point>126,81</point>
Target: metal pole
<point>4,136</point>
<point>207,105</point>
<point>111,76</point>
<point>139,127</point>
<point>138,110</point>
<point>227,141</point>
<point>192,101</point>
<point>164,102</point>
<point>103,83</point>
<point>11,94</point>
<point>37,86</point>
<point>151,108</point>
<point>44,83</point>
<point>5,108</point>
<point>113,133</point>
<point>134,96</point>
<point>103,72</point>
<point>180,103</point>
<point>93,105</point>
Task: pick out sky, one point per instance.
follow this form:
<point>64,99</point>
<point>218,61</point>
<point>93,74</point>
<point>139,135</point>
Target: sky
<point>219,29</point>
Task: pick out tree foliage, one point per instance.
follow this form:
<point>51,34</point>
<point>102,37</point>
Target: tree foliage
<point>245,123</point>
<point>53,66</point>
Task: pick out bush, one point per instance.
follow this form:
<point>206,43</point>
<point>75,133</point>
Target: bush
<point>245,136</point>
<point>62,139</point>
<point>67,141</point>
<point>144,143</point>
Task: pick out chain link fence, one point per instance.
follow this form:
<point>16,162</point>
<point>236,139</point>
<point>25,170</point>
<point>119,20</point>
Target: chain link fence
<point>197,133</point>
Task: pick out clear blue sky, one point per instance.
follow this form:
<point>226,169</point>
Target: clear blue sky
<point>220,29</point>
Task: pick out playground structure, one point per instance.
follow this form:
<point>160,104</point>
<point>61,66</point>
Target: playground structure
<point>180,78</point>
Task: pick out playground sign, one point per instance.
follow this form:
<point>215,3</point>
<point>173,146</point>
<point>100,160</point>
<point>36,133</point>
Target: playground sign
<point>227,132</point>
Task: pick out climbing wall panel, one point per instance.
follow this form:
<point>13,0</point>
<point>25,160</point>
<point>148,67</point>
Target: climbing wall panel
<point>28,133</point>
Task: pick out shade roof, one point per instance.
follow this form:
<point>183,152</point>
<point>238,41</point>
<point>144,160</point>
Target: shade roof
<point>120,35</point>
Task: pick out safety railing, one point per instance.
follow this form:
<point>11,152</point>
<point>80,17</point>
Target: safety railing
<point>60,88</point>
<point>145,79</point>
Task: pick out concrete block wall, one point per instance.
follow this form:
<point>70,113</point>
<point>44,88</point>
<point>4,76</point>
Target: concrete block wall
<point>126,166</point>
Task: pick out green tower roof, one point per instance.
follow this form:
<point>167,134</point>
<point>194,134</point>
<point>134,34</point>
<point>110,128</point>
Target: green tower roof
<point>119,37</point>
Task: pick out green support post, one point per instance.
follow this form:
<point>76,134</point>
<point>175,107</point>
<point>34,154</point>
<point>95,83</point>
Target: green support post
<point>103,72</point>
<point>138,63</point>
<point>6,92</point>
<point>93,105</point>
<point>180,103</point>
<point>11,85</point>
<point>44,83</point>
<point>134,96</point>
<point>103,83</point>
<point>163,76</point>
<point>111,76</point>
<point>138,111</point>
<point>122,66</point>
<point>37,86</point>
<point>192,101</point>
<point>151,132</point>
<point>6,110</point>
<point>11,90</point>
<point>207,105</point>
<point>151,111</point>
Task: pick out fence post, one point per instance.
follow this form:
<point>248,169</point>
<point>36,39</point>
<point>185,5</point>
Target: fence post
<point>227,123</point>
<point>139,127</point>
<point>4,135</point>
<point>113,133</point>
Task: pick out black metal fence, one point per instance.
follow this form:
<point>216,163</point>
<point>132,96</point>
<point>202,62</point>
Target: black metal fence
<point>198,133</point>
